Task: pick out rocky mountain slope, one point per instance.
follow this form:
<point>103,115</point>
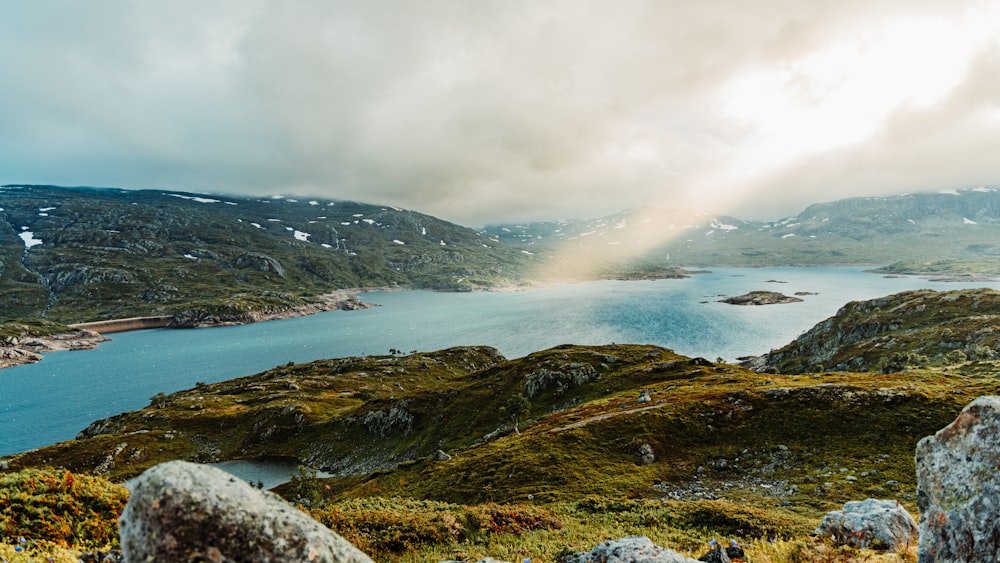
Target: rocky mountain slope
<point>84,254</point>
<point>938,233</point>
<point>924,328</point>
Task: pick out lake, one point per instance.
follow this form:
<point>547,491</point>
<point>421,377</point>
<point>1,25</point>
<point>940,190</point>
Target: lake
<point>54,399</point>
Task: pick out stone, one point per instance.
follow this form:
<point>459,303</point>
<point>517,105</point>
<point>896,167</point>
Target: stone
<point>958,489</point>
<point>180,511</point>
<point>441,455</point>
<point>112,556</point>
<point>870,523</point>
<point>716,555</point>
<point>735,552</point>
<point>646,455</point>
<point>628,550</point>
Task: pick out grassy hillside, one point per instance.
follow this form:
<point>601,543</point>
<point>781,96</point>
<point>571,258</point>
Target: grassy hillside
<point>83,254</point>
<point>629,438</point>
<point>953,331</point>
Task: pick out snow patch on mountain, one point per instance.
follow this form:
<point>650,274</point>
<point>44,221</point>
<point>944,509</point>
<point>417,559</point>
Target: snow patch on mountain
<point>29,238</point>
<point>194,198</point>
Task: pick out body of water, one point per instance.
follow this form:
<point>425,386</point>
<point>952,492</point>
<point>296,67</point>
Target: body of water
<point>54,399</point>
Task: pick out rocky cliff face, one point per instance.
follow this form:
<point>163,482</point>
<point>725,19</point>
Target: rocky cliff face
<point>909,329</point>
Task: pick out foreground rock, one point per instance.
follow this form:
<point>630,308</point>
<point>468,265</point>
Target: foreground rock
<point>958,489</point>
<point>627,550</point>
<point>182,511</point>
<point>877,524</point>
<point>760,298</point>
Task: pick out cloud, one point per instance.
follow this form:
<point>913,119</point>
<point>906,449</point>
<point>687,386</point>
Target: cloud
<point>941,146</point>
<point>494,110</point>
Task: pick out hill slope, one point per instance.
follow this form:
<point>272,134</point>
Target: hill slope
<point>85,254</point>
<point>561,424</point>
<point>630,438</point>
<point>911,329</point>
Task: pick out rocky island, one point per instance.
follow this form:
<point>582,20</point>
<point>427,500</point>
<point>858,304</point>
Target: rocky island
<point>760,298</point>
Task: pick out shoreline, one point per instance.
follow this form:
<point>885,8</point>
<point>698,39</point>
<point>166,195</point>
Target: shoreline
<point>86,336</point>
<point>30,349</point>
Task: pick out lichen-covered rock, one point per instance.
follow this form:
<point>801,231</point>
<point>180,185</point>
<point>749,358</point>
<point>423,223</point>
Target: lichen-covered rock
<point>871,523</point>
<point>627,550</point>
<point>182,511</point>
<point>958,489</point>
<point>567,376</point>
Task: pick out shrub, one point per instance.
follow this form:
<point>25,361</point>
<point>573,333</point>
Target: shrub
<point>955,357</point>
<point>899,361</point>
<point>305,487</point>
<point>510,518</point>
<point>380,526</point>
<point>62,507</point>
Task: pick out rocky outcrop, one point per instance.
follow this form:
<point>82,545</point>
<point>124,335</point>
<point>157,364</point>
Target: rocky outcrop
<point>760,298</point>
<point>180,511</point>
<point>870,523</point>
<point>958,487</point>
<point>566,376</point>
<point>894,333</point>
<point>10,357</point>
<point>388,422</point>
<point>15,351</point>
<point>627,550</point>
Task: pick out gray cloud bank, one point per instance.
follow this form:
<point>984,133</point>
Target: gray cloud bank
<point>502,110</point>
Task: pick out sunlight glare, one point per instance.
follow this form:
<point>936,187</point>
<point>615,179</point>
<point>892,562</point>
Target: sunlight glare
<point>841,94</point>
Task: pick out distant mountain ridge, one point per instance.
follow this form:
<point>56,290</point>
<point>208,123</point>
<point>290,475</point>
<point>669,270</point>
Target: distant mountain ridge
<point>82,254</point>
<point>949,225</point>
<point>88,254</point>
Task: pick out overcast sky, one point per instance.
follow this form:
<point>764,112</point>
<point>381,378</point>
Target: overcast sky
<point>482,111</point>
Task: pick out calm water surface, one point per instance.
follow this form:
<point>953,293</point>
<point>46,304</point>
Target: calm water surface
<point>54,399</point>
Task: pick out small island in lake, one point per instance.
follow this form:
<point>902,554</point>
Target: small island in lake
<point>760,298</point>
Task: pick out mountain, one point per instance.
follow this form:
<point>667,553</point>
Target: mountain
<point>88,254</point>
<point>955,330</point>
<point>939,233</point>
<point>85,254</point>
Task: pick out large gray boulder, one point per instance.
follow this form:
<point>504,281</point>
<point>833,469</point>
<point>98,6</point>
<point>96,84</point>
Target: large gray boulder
<point>181,511</point>
<point>631,549</point>
<point>882,524</point>
<point>958,489</point>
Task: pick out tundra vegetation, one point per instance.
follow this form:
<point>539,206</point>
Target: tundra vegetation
<point>462,453</point>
